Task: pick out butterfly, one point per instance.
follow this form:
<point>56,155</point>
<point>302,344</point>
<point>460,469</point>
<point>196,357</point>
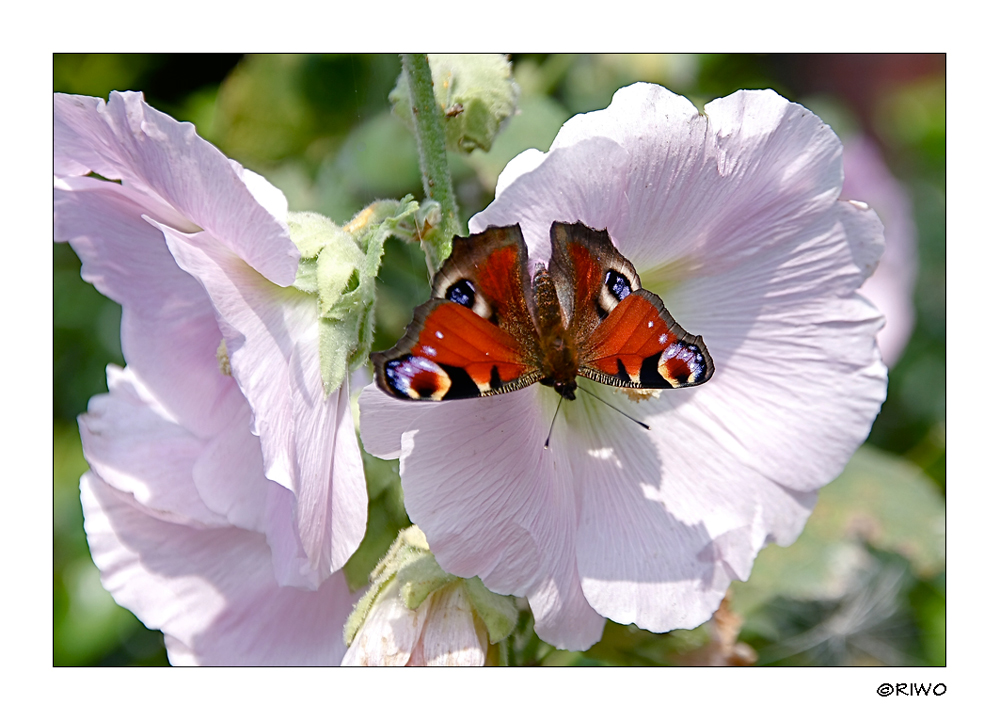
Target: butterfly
<point>492,327</point>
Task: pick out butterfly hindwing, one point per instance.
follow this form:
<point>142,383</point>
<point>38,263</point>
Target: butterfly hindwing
<point>475,336</point>
<point>625,335</point>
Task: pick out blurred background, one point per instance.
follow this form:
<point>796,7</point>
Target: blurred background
<point>865,584</point>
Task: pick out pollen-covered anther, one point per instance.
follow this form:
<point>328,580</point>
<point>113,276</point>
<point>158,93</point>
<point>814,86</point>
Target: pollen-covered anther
<point>638,395</point>
<point>222,356</point>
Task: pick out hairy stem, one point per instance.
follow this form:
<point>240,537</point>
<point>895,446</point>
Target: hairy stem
<point>429,122</point>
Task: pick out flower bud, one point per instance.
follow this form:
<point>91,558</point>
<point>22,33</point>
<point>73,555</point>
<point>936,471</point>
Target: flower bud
<point>477,94</point>
<point>339,266</point>
<point>415,614</point>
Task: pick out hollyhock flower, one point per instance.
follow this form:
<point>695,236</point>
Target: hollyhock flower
<point>226,488</point>
<point>891,286</point>
<point>732,217</point>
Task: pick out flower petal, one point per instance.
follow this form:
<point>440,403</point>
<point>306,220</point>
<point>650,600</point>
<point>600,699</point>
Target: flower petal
<point>169,332</point>
<point>128,140</point>
<point>390,632</point>
<point>666,520</point>
<point>504,510</point>
<point>688,180</point>
<point>600,165</point>
<point>210,590</point>
<point>798,377</point>
<point>308,440</point>
<point>449,636</point>
<point>891,286</point>
<point>137,448</point>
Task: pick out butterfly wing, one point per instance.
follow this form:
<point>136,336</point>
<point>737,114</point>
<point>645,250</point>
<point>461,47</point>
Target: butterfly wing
<point>475,336</point>
<point>625,336</point>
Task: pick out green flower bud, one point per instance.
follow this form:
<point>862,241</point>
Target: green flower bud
<point>476,93</point>
<point>338,265</point>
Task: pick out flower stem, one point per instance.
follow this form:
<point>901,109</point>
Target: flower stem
<point>429,123</point>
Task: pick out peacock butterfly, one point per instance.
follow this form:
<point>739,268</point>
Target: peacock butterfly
<point>490,327</point>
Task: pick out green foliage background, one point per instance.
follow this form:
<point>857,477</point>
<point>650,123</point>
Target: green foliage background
<point>865,584</point>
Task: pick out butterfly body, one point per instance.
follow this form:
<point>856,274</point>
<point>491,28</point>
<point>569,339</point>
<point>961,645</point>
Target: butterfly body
<point>491,327</point>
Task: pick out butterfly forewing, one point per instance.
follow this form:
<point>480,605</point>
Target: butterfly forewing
<point>475,336</point>
<point>640,346</point>
<point>625,335</point>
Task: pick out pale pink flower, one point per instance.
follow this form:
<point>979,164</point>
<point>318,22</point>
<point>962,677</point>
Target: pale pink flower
<point>732,217</point>
<point>890,287</point>
<point>226,489</point>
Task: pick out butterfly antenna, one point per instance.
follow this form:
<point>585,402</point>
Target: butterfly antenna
<point>553,424</point>
<point>593,395</point>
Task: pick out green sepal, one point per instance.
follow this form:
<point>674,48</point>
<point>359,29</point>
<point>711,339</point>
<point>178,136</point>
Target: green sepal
<point>337,276</point>
<point>337,340</point>
<point>339,266</point>
<point>370,229</point>
<point>360,613</point>
<point>498,613</point>
<point>305,277</point>
<point>420,578</point>
<point>410,545</point>
<point>476,93</point>
<point>310,232</point>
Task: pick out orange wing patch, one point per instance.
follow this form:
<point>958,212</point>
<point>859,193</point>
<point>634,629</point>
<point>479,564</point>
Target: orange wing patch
<point>639,345</point>
<point>453,335</point>
<point>631,333</point>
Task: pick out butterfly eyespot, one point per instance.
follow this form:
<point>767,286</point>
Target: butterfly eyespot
<point>614,290</point>
<point>682,364</point>
<point>464,293</point>
<point>417,378</point>
<point>618,285</point>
